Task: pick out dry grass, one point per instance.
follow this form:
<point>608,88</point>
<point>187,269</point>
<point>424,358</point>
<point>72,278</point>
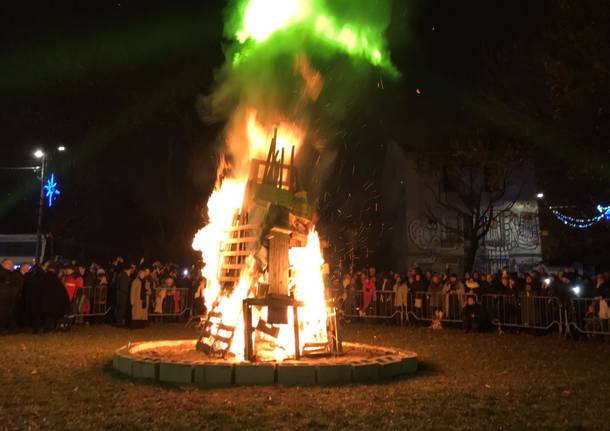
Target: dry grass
<point>467,381</point>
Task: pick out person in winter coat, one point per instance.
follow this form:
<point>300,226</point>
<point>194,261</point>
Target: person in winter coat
<point>434,297</point>
<point>123,287</point>
<point>454,295</point>
<point>100,295</point>
<point>139,297</point>
<point>473,315</point>
<point>72,283</point>
<point>54,299</point>
<point>601,293</point>
<point>8,294</point>
<point>368,293</point>
<point>33,288</point>
<point>400,293</point>
<point>199,307</point>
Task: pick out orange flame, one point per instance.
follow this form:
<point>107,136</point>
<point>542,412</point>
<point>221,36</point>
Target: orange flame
<point>288,135</point>
<point>224,206</point>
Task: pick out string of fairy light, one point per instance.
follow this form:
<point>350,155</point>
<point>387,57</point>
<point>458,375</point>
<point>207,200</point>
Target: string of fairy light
<point>603,213</point>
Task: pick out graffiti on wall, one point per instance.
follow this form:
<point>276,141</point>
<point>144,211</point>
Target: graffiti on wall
<point>516,230</point>
<point>428,235</point>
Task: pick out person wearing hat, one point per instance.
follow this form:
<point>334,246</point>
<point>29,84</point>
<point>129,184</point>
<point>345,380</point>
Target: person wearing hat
<point>140,297</point>
<point>473,314</point>
<point>54,299</point>
<point>123,287</point>
<point>71,281</point>
<point>101,291</point>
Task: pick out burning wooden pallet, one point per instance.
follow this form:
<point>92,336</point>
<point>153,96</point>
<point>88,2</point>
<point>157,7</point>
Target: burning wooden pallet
<point>274,217</point>
<point>216,337</point>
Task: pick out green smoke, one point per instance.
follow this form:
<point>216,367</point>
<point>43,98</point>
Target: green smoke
<point>351,27</point>
<point>342,40</point>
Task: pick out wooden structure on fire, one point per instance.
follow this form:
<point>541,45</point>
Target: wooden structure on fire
<point>274,216</point>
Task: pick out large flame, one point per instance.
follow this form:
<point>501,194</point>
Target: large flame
<point>307,263</point>
<point>288,135</point>
<point>224,206</point>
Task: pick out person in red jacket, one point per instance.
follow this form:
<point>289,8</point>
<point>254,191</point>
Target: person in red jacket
<point>368,293</point>
<point>71,282</point>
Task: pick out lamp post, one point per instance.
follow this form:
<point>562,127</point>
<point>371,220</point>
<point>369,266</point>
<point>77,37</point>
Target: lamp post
<point>40,154</point>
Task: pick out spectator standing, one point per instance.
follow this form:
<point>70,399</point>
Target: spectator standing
<point>19,308</point>
<point>435,294</point>
<point>400,294</point>
<point>602,294</point>
<point>139,298</point>
<point>473,314</point>
<point>71,282</point>
<point>100,292</point>
<point>123,286</point>
<point>199,299</point>
<point>55,303</point>
<point>8,294</point>
<point>454,295</point>
<point>368,293</point>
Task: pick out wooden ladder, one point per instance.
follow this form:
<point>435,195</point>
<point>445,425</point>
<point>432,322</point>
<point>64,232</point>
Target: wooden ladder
<point>216,336</point>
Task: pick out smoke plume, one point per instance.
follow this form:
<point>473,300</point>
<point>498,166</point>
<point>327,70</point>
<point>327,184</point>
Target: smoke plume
<point>301,61</point>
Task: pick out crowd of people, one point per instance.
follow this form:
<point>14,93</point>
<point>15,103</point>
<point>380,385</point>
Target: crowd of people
<point>358,291</point>
<point>47,297</point>
<point>126,294</point>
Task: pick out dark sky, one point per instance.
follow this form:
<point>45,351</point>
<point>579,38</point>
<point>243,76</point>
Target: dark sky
<point>116,82</point>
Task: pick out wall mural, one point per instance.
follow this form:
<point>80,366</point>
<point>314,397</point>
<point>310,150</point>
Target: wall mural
<point>429,235</point>
<point>516,230</point>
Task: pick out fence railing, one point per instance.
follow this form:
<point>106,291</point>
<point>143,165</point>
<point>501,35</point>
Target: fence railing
<point>585,315</point>
<point>589,315</point>
<point>168,302</point>
<point>423,305</point>
<point>502,310</point>
<point>90,301</point>
<point>523,311</point>
<point>381,305</point>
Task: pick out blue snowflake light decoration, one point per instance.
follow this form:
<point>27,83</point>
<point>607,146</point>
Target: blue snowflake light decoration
<point>51,191</point>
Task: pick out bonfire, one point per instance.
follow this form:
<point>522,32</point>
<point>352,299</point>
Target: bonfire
<point>264,264</point>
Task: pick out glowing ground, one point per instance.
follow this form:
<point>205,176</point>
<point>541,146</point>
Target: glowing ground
<point>465,381</point>
<point>177,361</point>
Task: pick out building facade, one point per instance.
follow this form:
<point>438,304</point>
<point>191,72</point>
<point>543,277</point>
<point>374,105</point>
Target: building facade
<point>512,242</point>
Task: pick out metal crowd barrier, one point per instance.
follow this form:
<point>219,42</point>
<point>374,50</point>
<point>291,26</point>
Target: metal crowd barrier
<point>523,311</point>
<point>589,316</point>
<point>585,315</point>
<point>423,305</point>
<point>381,306</point>
<point>517,311</point>
<point>170,302</point>
<point>90,301</point>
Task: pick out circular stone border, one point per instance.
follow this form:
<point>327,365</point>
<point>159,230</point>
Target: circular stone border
<point>389,364</point>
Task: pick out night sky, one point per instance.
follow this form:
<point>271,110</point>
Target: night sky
<point>116,82</point>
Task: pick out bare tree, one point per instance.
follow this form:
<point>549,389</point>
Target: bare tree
<point>472,185</point>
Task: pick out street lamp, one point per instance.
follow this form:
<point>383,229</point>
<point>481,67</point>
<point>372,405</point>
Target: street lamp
<point>39,154</point>
<point>540,195</point>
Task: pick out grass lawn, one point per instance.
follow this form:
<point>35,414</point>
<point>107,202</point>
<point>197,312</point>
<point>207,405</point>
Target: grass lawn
<point>466,381</point>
